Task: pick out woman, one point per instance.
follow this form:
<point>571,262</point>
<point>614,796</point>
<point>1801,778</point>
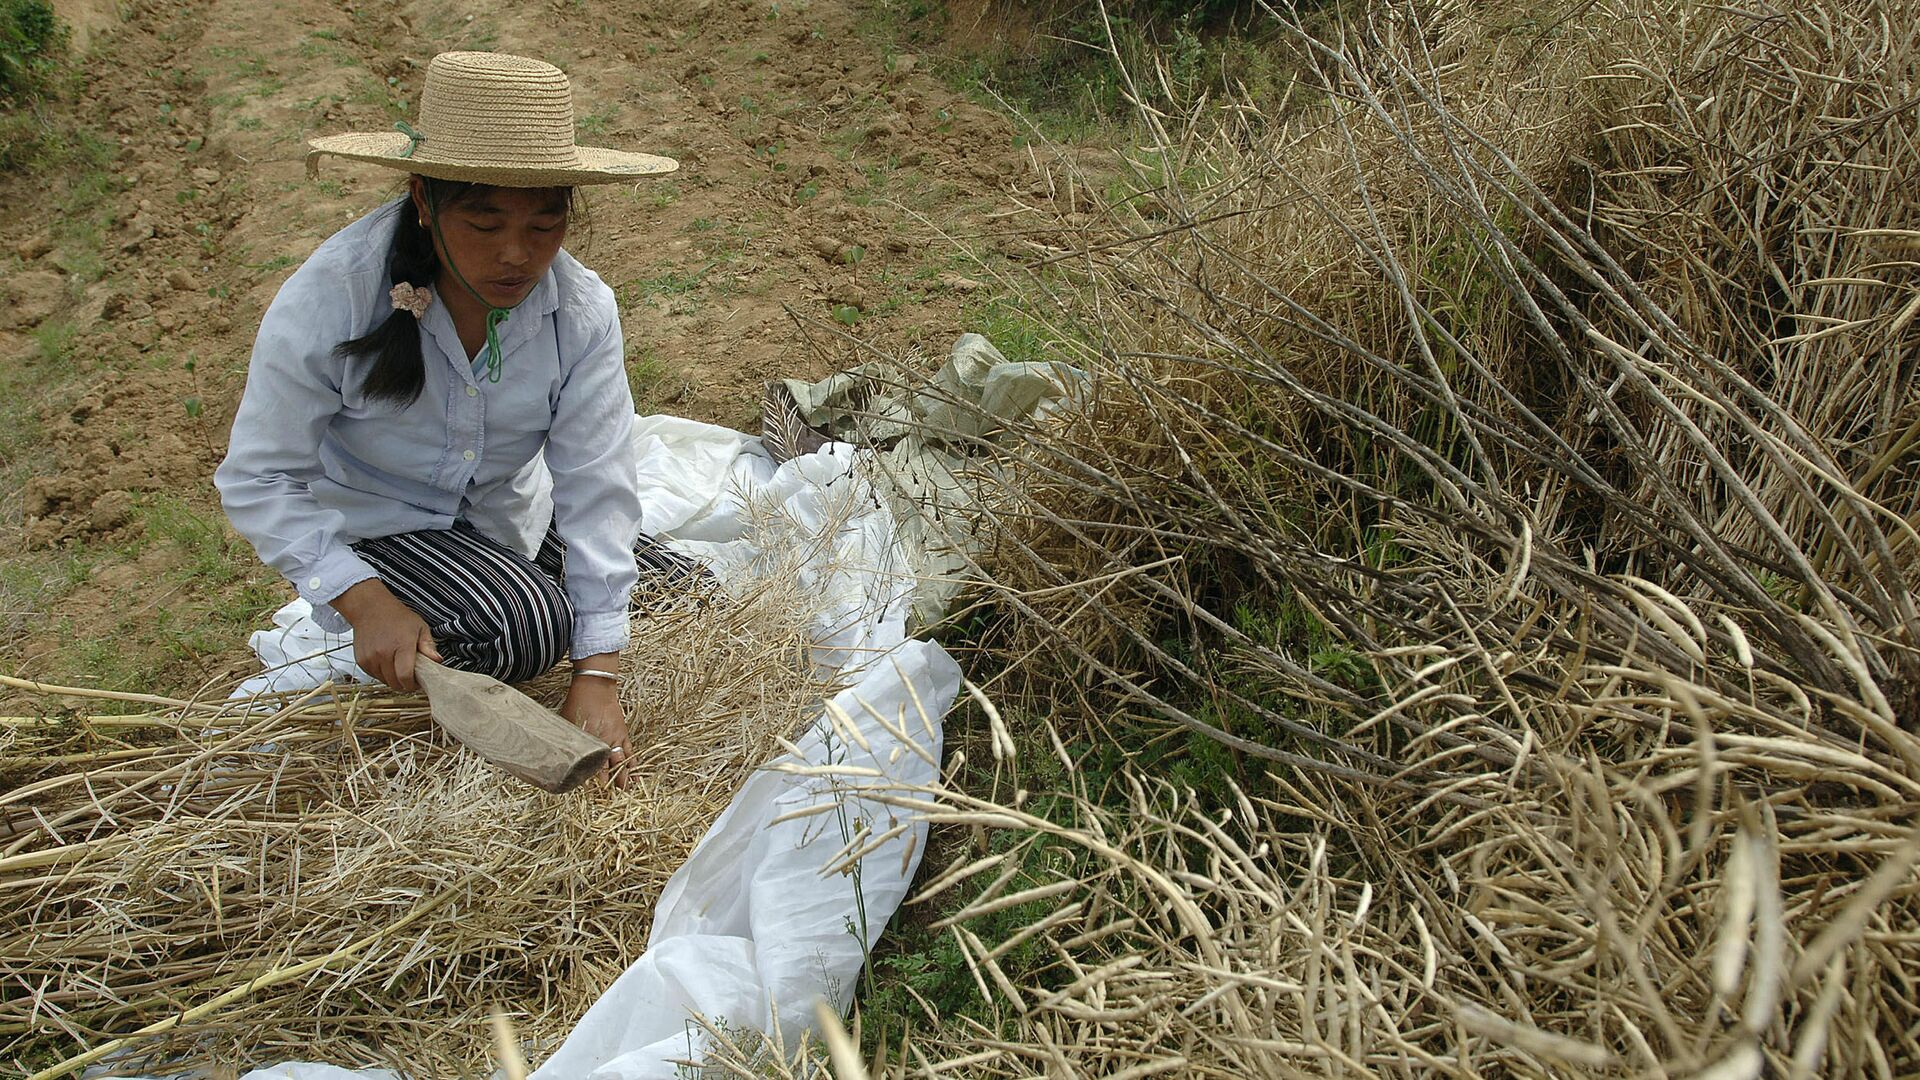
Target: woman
<point>433,443</point>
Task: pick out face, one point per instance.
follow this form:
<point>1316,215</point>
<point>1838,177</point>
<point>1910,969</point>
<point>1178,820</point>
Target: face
<point>501,239</point>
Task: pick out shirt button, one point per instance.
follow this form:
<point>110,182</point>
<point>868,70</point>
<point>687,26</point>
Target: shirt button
<point>472,390</point>
<point>468,456</point>
<point>313,583</point>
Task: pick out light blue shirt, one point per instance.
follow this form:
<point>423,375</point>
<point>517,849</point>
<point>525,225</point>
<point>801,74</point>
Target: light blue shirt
<point>313,466</point>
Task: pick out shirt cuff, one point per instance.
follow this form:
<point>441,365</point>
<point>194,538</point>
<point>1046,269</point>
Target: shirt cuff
<point>599,632</point>
<point>336,572</point>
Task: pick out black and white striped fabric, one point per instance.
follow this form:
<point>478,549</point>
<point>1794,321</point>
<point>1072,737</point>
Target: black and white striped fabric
<point>493,610</point>
<point>783,430</point>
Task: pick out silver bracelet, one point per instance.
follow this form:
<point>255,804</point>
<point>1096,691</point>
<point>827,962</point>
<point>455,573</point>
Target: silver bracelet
<point>579,671</point>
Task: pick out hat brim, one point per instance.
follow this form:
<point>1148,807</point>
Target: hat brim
<point>593,164</point>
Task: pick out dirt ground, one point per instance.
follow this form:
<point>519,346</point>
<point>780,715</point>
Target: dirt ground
<point>829,182</point>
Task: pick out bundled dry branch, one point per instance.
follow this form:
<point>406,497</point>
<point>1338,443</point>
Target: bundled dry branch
<point>1375,364</point>
<point>334,879</point>
<point>1513,436</point>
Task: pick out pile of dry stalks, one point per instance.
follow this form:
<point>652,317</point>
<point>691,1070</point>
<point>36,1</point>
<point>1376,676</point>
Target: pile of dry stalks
<point>335,880</point>
<point>1515,438</point>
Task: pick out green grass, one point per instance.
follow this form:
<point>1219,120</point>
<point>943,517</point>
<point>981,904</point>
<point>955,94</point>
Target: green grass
<point>321,43</point>
<point>672,283</point>
<point>597,124</point>
<point>1018,335</point>
<point>53,340</point>
<point>383,93</point>
<point>209,593</point>
<point>86,211</point>
<point>211,553</point>
<point>646,377</point>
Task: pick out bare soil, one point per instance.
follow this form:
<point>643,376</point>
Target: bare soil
<point>829,183</point>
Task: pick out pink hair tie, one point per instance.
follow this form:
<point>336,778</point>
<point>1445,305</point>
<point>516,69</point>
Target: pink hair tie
<point>407,298</point>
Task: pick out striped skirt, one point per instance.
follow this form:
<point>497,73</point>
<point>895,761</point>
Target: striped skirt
<point>491,609</point>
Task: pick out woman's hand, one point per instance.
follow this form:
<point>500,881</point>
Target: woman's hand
<point>387,634</point>
<point>594,704</point>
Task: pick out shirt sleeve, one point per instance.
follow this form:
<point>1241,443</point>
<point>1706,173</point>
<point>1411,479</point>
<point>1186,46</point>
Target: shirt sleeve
<point>293,391</point>
<point>596,497</point>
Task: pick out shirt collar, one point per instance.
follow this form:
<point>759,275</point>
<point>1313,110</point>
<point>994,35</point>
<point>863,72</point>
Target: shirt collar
<point>520,326</point>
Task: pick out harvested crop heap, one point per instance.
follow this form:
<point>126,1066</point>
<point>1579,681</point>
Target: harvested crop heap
<point>1512,443</point>
<point>335,880</point>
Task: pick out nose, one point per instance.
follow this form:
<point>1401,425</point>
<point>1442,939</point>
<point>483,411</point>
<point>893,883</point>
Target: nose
<point>513,251</point>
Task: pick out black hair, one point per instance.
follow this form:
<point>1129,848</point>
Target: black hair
<point>396,372</point>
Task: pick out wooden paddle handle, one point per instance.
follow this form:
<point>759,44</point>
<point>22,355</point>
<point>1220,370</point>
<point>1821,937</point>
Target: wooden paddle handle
<point>510,729</point>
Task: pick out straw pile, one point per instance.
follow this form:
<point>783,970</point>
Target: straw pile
<point>335,880</point>
<point>1512,438</point>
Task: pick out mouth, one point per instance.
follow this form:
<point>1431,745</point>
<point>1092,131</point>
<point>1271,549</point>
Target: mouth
<point>510,285</point>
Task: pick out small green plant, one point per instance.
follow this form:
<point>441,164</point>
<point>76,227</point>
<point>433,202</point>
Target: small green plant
<point>846,313</point>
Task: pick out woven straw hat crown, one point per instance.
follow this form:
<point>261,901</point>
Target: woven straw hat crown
<point>493,118</point>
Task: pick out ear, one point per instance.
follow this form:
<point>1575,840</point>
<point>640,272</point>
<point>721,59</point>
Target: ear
<point>417,193</point>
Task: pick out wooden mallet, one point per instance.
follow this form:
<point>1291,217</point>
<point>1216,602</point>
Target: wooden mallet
<point>509,729</point>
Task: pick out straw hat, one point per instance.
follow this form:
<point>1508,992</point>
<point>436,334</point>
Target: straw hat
<point>491,118</point>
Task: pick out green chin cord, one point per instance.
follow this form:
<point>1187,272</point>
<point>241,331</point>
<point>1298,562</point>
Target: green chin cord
<point>495,315</point>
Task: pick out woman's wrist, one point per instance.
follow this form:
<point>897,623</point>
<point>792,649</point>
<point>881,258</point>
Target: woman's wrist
<point>606,663</point>
<point>592,683</point>
<point>362,599</point>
